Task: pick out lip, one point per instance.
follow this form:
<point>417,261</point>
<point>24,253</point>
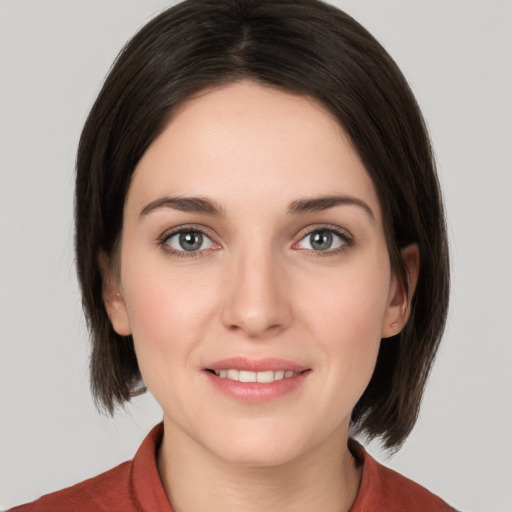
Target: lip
<point>255,392</point>
<point>256,365</point>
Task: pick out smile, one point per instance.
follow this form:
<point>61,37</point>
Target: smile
<point>256,381</point>
<point>265,377</point>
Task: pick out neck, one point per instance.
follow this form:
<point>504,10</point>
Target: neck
<point>325,478</point>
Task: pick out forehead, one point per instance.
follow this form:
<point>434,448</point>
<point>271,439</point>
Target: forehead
<point>251,143</point>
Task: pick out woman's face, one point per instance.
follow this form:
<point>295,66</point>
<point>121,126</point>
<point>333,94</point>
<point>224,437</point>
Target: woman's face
<point>253,250</point>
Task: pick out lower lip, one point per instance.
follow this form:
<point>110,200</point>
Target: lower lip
<point>256,392</point>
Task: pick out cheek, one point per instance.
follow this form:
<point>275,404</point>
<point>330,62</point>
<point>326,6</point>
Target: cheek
<point>346,312</point>
<point>169,315</point>
<point>168,310</point>
<point>352,299</point>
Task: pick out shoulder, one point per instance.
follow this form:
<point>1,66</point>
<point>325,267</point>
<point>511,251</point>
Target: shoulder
<point>108,491</point>
<point>383,489</point>
<point>123,488</point>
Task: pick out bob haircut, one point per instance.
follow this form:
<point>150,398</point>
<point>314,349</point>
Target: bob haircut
<point>305,47</point>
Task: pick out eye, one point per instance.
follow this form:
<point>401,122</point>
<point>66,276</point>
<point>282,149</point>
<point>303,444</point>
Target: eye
<point>189,241</point>
<point>323,240</point>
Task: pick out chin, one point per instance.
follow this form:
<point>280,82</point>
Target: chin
<point>263,455</point>
<point>261,447</point>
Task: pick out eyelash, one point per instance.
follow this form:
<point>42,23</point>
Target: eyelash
<point>346,239</point>
<point>164,239</point>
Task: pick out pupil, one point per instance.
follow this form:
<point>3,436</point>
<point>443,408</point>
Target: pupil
<point>321,240</point>
<point>191,241</point>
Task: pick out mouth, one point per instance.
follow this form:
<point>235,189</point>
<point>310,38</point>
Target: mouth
<point>263,377</point>
<point>256,380</point>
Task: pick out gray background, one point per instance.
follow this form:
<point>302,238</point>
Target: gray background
<point>457,55</point>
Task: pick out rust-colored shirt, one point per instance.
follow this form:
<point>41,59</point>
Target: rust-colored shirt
<point>135,486</point>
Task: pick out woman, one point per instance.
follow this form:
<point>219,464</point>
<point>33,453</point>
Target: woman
<point>260,242</point>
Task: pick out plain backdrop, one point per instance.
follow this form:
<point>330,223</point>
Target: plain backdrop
<point>54,54</point>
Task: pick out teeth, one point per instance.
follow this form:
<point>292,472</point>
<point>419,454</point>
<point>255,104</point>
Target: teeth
<point>248,376</point>
<point>244,376</point>
<point>232,374</point>
<point>265,376</point>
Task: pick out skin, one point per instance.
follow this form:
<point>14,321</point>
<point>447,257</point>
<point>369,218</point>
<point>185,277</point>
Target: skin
<point>256,288</point>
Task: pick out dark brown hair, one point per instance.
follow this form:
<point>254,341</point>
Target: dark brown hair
<point>305,47</point>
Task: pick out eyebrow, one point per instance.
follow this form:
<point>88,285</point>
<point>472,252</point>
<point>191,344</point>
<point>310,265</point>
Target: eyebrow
<point>184,204</point>
<point>320,203</point>
<point>209,207</point>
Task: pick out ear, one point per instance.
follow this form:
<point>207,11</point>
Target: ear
<point>399,302</point>
<point>113,298</point>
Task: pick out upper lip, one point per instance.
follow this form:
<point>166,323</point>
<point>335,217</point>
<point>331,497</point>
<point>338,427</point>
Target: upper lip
<point>256,365</point>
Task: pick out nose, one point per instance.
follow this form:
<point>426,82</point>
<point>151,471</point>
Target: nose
<point>256,302</point>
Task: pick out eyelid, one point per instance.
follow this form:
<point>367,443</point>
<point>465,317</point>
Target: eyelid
<point>187,228</point>
<point>344,234</point>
